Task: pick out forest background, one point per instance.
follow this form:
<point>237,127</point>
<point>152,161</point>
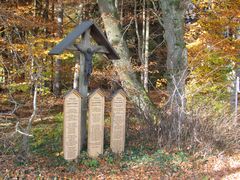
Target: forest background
<point>178,65</point>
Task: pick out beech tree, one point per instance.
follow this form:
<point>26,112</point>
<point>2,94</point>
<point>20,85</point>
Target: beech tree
<point>128,78</point>
<point>172,20</point>
<point>57,80</point>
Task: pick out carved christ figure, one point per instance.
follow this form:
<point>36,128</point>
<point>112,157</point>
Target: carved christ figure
<point>88,53</point>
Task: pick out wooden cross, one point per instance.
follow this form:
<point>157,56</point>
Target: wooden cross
<point>85,52</point>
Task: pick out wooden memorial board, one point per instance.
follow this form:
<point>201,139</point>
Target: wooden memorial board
<point>71,125</point>
<point>117,142</point>
<point>96,123</point>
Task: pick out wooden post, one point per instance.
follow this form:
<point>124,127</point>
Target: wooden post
<point>83,87</point>
<point>76,71</point>
<point>236,100</point>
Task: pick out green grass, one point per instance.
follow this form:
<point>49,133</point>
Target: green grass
<point>47,138</point>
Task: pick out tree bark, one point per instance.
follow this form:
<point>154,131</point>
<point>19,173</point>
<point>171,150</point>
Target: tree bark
<point>57,80</point>
<point>132,87</point>
<point>24,151</point>
<point>46,11</point>
<point>37,8</point>
<point>146,52</point>
<point>234,93</point>
<point>77,61</point>
<point>76,72</point>
<point>24,148</point>
<point>173,23</point>
<point>143,45</point>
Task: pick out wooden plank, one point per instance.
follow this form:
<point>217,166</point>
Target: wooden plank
<point>70,38</point>
<point>96,123</point>
<point>71,131</point>
<point>96,49</point>
<point>96,33</point>
<point>101,39</point>
<point>118,122</point>
<point>83,88</point>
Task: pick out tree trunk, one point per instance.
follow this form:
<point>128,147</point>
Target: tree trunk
<point>24,148</point>
<point>76,72</point>
<point>146,53</point>
<point>173,23</point>
<point>139,42</point>
<point>132,87</point>
<point>77,61</point>
<point>143,45</point>
<point>37,8</point>
<point>121,14</point>
<point>57,80</point>
<point>234,93</point>
<point>46,11</point>
<point>24,151</point>
<point>143,39</point>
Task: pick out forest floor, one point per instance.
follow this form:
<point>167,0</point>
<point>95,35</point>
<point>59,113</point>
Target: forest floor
<point>224,167</point>
<point>142,159</point>
<point>133,164</point>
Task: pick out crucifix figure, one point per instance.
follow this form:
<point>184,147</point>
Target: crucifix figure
<point>88,51</point>
<point>88,58</point>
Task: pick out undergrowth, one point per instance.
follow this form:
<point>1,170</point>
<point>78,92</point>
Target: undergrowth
<point>47,142</point>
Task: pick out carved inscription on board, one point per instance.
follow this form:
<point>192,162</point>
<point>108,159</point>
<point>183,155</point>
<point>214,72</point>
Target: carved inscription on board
<point>118,122</point>
<point>72,119</point>
<point>96,123</point>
